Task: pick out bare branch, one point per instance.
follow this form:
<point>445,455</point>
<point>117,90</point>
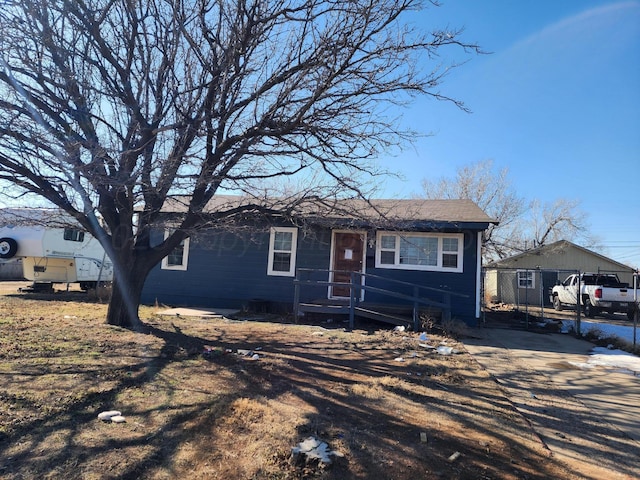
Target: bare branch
<point>110,106</point>
<point>521,225</point>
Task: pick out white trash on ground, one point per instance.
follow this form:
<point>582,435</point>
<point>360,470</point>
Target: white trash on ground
<point>444,350</point>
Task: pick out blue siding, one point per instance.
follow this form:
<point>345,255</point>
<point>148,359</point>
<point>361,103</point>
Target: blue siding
<point>463,308</point>
<point>228,270</point>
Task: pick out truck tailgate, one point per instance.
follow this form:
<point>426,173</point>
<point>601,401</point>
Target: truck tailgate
<point>612,294</point>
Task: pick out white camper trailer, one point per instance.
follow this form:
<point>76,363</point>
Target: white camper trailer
<point>53,249</point>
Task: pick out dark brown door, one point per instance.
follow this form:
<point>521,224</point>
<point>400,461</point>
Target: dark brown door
<point>348,250</point>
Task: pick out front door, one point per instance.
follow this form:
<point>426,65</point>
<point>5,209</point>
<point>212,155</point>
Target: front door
<point>347,256</point>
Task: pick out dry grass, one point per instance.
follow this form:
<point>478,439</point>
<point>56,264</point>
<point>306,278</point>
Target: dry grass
<point>197,409</point>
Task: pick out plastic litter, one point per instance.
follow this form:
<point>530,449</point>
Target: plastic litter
<point>399,328</point>
<point>108,415</point>
<point>423,337</point>
<point>399,359</point>
<point>444,350</point>
<point>248,354</point>
<point>208,351</point>
<point>454,456</point>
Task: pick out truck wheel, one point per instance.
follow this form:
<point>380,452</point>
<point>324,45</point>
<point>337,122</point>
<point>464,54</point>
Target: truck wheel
<point>589,310</point>
<point>557,304</point>
<point>8,247</point>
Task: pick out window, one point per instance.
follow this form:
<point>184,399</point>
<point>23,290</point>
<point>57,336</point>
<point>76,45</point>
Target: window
<point>419,251</point>
<point>449,252</point>
<point>73,235</point>
<point>526,279</point>
<point>387,246</point>
<point>177,259</point>
<point>282,251</point>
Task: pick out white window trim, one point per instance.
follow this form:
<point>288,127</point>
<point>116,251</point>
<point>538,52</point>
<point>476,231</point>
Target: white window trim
<point>294,247</point>
<point>185,256</point>
<point>533,279</point>
<point>432,268</point>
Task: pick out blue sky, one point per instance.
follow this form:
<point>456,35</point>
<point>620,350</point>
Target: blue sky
<point>557,102</point>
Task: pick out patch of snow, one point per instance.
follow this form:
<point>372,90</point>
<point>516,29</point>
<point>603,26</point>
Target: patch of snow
<point>615,358</point>
<point>607,357</point>
<point>316,450</point>
<point>621,331</point>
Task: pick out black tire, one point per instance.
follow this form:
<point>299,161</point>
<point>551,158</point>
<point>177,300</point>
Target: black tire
<point>631,312</point>
<point>589,310</point>
<point>557,304</point>
<point>8,247</point>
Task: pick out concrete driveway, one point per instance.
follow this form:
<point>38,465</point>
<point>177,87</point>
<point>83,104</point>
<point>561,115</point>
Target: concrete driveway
<point>589,418</point>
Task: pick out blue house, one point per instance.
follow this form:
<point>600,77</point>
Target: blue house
<point>386,253</point>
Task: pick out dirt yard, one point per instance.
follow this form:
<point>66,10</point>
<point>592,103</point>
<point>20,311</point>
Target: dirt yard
<point>210,398</point>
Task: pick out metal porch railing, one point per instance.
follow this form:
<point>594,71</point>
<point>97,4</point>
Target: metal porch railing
<point>361,282</point>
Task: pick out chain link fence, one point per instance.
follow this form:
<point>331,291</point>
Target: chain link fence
<point>528,292</point>
<point>521,287</point>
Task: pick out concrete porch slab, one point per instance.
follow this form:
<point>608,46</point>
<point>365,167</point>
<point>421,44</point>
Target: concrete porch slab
<point>198,312</point>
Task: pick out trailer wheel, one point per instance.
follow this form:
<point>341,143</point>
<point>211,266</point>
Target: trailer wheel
<point>557,304</point>
<point>88,285</point>
<point>8,247</point>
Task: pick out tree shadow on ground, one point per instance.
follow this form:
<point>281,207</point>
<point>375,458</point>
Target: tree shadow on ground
<point>344,388</point>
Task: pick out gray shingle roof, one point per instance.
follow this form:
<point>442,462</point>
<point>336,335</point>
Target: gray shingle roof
<point>428,210</point>
<point>457,211</point>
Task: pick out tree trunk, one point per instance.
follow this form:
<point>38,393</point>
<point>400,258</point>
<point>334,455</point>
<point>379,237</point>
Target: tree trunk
<point>125,298</point>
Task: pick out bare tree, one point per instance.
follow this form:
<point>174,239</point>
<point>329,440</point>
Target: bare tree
<point>560,219</point>
<point>107,107</point>
<point>491,191</point>
<point>521,224</point>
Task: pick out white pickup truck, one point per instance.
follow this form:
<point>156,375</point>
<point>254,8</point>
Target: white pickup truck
<point>598,292</point>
